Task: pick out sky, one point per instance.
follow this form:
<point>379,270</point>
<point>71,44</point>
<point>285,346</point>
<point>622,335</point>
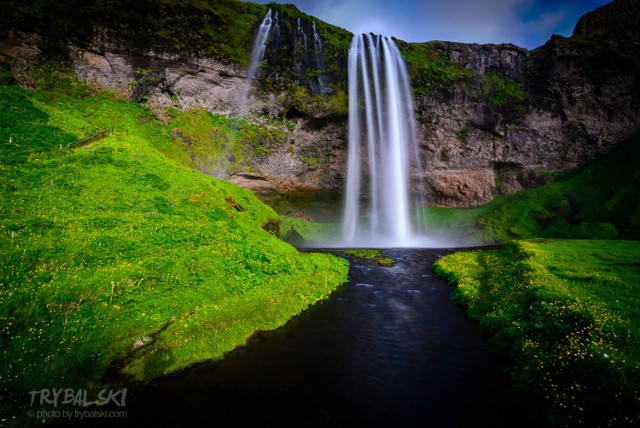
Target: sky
<point>526,23</point>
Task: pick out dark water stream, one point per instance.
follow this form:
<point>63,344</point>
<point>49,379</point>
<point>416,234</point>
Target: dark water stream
<point>388,349</point>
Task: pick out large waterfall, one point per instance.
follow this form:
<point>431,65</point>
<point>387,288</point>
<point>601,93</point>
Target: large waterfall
<point>382,147</point>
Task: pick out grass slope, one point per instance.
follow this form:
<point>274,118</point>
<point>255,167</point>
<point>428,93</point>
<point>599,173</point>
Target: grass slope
<point>568,313</point>
<point>565,311</point>
<point>116,253</point>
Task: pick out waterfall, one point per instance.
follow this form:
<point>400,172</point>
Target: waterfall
<point>382,147</point>
<point>300,33</point>
<point>301,50</point>
<point>275,22</point>
<point>257,55</point>
<point>317,50</point>
<point>319,63</point>
<point>317,43</point>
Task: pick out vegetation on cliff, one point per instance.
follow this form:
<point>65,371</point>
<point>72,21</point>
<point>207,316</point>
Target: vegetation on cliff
<point>220,28</point>
<point>219,145</point>
<point>115,255</point>
<point>434,74</point>
<point>598,62</point>
<point>430,71</point>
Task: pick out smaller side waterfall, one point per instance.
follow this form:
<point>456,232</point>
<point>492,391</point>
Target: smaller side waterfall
<point>300,33</point>
<point>257,55</point>
<point>322,88</point>
<point>301,49</point>
<point>276,25</point>
<point>317,42</point>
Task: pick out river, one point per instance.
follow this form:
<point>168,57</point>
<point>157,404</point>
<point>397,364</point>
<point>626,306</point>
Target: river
<point>387,349</point>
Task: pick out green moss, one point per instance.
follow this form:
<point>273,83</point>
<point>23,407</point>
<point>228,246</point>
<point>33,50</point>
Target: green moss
<point>113,243</point>
<point>219,145</point>
<point>336,105</point>
<point>375,255</point>
<point>463,134</point>
<point>501,90</point>
<point>143,82</point>
<point>309,160</point>
<point>6,78</point>
<point>430,71</point>
<point>310,231</point>
<point>385,261</point>
<point>364,253</point>
<point>567,313</point>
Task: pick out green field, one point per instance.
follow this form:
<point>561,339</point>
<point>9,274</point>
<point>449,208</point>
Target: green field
<point>567,313</point>
<point>114,254</point>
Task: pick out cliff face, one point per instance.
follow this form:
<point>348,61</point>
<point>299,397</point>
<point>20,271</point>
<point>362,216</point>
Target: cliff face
<point>616,23</point>
<point>491,118</point>
<point>571,100</point>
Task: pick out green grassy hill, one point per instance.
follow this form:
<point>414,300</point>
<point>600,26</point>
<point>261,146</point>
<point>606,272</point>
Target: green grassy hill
<point>115,254</point>
<point>566,313</point>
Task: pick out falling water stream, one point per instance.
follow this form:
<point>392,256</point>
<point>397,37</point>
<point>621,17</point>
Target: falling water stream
<point>318,54</point>
<point>257,55</point>
<point>382,147</point>
<point>300,33</point>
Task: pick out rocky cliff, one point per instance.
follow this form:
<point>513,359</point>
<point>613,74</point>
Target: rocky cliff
<point>492,118</point>
<point>511,115</point>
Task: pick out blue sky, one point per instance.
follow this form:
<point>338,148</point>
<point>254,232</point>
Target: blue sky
<point>526,23</point>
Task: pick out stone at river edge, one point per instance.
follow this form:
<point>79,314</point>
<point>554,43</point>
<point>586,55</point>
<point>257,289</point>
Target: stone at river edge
<point>500,119</point>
